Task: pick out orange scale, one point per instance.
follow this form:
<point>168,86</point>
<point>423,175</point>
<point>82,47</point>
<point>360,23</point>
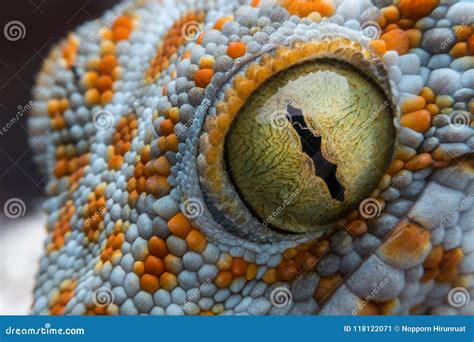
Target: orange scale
<point>416,9</point>
<point>327,286</point>
<point>107,64</point>
<point>470,44</point>
<point>239,267</point>
<point>270,276</point>
<point>236,50</point>
<point>149,283</point>
<point>167,126</point>
<point>173,264</point>
<point>223,279</point>
<point>157,247</point>
<point>222,21</point>
<point>104,83</point>
<point>304,8</point>
<point>168,281</point>
<point>123,21</point>
<point>305,261</point>
<point>320,248</point>
<point>157,185</point>
<point>251,272</point>
<point>196,241</point>
<point>154,265</point>
<point>162,166</point>
<point>203,77</point>
<point>287,270</point>
<point>180,225</point>
<point>254,3</point>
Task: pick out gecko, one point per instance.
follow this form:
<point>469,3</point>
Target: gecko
<point>180,184</point>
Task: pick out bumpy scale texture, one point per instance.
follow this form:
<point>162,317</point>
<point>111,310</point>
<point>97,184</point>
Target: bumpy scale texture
<point>131,113</point>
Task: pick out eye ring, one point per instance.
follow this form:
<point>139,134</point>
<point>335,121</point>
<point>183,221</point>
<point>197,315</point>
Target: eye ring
<point>213,119</point>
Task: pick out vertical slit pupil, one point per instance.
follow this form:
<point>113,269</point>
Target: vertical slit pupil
<point>311,144</point>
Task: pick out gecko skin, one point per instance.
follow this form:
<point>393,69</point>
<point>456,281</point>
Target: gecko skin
<point>138,115</point>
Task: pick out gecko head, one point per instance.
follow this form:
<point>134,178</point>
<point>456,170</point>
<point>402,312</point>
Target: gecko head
<point>306,146</point>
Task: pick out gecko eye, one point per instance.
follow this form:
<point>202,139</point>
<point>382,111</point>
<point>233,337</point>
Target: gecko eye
<point>310,143</point>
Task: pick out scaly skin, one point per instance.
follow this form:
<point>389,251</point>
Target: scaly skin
<point>143,218</point>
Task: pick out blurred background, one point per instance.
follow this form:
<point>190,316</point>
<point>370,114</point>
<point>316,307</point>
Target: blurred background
<point>41,23</point>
